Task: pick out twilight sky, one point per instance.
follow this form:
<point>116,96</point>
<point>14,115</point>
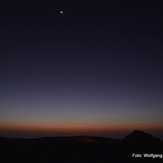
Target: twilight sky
<point>96,69</point>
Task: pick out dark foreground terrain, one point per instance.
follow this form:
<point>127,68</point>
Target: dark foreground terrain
<point>82,149</point>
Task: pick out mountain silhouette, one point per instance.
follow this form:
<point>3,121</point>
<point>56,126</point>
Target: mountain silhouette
<point>142,137</point>
<point>87,149</point>
<point>139,141</point>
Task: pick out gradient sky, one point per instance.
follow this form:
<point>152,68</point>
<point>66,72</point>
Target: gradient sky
<point>96,69</point>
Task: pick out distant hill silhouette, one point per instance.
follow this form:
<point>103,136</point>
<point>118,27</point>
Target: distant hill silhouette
<point>82,138</point>
<point>142,142</point>
<point>87,149</point>
<point>141,136</point>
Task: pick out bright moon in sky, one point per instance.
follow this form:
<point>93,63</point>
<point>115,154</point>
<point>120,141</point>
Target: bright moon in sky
<point>61,12</point>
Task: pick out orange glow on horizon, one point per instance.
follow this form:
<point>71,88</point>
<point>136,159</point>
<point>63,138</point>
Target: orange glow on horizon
<point>77,128</point>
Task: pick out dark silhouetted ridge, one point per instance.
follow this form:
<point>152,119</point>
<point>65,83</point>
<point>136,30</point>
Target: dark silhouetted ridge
<point>82,138</point>
<point>141,136</point>
<point>87,149</point>
<point>142,141</point>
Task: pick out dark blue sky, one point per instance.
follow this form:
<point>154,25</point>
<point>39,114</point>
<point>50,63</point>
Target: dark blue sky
<point>95,69</point>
